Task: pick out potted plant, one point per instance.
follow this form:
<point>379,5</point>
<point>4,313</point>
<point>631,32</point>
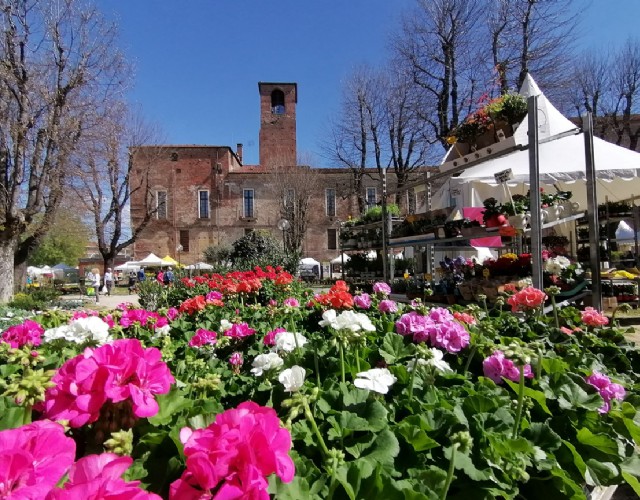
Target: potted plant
<point>493,215</point>
<point>517,210</point>
<point>509,107</point>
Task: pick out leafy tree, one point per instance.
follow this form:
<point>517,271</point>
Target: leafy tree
<point>218,256</point>
<point>65,242</point>
<point>259,248</point>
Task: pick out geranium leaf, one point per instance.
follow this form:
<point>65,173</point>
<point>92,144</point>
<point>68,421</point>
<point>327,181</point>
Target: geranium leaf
<point>415,436</point>
<point>600,442</point>
<point>341,476</point>
<point>296,489</point>
<point>353,422</point>
<point>464,463</point>
<point>537,396</point>
<point>632,481</point>
<point>171,404</point>
<point>571,395</point>
<point>542,435</point>
<point>394,349</point>
<point>600,473</point>
<point>384,449</point>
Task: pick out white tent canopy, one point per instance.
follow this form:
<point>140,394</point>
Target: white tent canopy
<point>127,266</point>
<point>308,261</point>
<point>561,163</point>
<point>199,265</point>
<point>151,260</point>
<point>339,259</point>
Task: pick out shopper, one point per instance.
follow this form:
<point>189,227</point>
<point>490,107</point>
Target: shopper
<point>108,281</point>
<point>96,282</point>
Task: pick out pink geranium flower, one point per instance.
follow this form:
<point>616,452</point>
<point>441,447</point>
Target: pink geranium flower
<point>235,455</point>
<point>203,337</point>
<point>33,458</point>
<point>270,337</point>
<point>607,390</point>
<point>239,330</point>
<point>291,302</point>
<point>120,371</point>
<point>99,476</point>
<point>439,328</point>
<point>592,317</point>
<point>464,318</point>
<point>387,306</point>
<point>29,332</point>
<point>497,366</point>
<point>362,301</point>
<point>381,288</point>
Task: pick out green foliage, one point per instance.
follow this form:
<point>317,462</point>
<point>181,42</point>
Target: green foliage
<point>33,299</point>
<point>219,257</point>
<point>374,213</point>
<point>259,248</point>
<point>65,242</point>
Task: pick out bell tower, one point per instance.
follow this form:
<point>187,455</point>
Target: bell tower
<point>278,123</point>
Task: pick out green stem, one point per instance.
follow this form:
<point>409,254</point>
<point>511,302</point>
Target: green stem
<point>357,354</point>
<point>316,365</point>
<point>555,311</point>
<point>471,355</point>
<point>342,373</point>
<point>452,462</point>
<point>314,428</point>
<point>413,376</point>
<point>516,426</point>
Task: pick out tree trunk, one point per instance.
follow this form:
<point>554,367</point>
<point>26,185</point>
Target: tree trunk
<point>7,249</point>
<point>19,276</point>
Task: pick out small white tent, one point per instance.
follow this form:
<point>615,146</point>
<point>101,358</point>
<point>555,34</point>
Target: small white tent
<point>340,258</point>
<point>200,265</point>
<point>151,260</point>
<point>308,261</point>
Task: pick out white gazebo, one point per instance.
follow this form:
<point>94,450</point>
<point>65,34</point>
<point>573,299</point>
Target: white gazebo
<point>151,260</point>
<point>199,266</point>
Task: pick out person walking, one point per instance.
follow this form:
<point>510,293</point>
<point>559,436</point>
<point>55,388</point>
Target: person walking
<point>141,276</point>
<point>96,282</point>
<point>168,277</point>
<point>108,281</point>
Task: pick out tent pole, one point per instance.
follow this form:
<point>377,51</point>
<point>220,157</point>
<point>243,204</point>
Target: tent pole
<point>534,200</point>
<point>385,229</point>
<point>592,214</point>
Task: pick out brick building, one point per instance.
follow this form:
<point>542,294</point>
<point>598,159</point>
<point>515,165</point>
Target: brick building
<point>206,196</point>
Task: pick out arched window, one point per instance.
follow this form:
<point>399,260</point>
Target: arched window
<point>277,102</point>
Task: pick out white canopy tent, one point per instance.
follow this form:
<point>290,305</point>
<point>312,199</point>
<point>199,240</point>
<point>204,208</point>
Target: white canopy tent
<point>340,258</point>
<point>151,260</point>
<point>127,266</point>
<point>561,160</point>
<point>199,266</point>
<point>308,261</point>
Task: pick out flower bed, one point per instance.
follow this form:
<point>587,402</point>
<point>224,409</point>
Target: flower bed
<point>246,385</point>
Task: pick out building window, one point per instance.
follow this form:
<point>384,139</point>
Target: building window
<point>372,197</point>
<point>289,198</point>
<point>184,239</point>
<point>330,198</point>
<point>277,102</point>
<point>161,204</point>
<point>332,239</point>
<point>411,201</point>
<point>247,203</point>
<point>203,204</point>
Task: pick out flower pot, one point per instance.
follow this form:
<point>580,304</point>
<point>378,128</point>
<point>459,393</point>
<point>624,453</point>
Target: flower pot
<point>496,221</point>
<point>519,221</point>
<point>554,213</point>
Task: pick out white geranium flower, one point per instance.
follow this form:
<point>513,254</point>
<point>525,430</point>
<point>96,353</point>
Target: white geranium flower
<point>347,320</point>
<point>436,360</point>
<point>553,267</point>
<point>292,378</point>
<point>328,318</point>
<point>265,362</point>
<point>377,380</point>
<point>225,325</point>
<point>161,331</point>
<point>562,261</point>
<point>286,341</point>
<point>91,329</point>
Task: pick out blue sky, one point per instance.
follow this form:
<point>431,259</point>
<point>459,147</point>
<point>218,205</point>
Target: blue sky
<point>198,62</point>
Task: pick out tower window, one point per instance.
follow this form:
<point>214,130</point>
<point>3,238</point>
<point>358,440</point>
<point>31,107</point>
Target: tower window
<point>332,239</point>
<point>277,102</point>
<point>330,201</point>
<point>203,204</point>
<point>247,203</point>
<point>372,197</point>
